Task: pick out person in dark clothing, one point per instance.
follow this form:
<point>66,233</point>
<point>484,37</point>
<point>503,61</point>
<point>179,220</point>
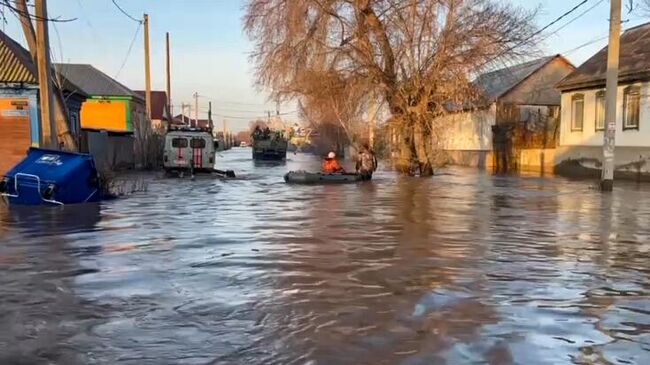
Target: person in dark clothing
<point>366,162</point>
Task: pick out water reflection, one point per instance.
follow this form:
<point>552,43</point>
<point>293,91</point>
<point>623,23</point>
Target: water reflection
<point>461,268</point>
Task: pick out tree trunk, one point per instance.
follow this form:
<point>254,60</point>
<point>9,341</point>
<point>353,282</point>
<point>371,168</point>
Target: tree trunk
<point>422,145</point>
<point>404,158</point>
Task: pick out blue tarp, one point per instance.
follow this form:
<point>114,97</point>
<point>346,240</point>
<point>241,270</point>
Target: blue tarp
<point>52,177</point>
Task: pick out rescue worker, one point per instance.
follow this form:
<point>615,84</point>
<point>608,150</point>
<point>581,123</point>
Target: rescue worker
<point>257,133</point>
<point>330,165</point>
<point>366,162</point>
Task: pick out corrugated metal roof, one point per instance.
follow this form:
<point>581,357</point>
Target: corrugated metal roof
<point>16,65</point>
<point>496,83</point>
<point>634,62</point>
<point>15,62</point>
<point>92,81</point>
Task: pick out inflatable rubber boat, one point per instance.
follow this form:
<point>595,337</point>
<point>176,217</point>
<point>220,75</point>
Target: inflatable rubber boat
<point>304,177</point>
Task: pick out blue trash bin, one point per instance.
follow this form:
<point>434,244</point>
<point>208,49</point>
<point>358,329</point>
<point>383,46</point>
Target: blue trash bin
<point>52,178</point>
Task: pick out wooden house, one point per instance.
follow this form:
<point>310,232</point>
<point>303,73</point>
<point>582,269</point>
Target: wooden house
<point>20,125</point>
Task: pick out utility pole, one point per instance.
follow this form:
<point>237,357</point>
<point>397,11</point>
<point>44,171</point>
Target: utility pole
<point>147,66</point>
<point>210,116</point>
<point>28,28</point>
<point>183,113</point>
<point>168,70</point>
<point>611,90</point>
<point>45,73</point>
<point>196,109</point>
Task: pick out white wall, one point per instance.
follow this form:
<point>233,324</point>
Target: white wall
<point>470,131</point>
<point>589,137</point>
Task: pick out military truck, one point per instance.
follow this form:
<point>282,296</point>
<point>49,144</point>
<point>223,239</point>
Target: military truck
<point>269,145</point>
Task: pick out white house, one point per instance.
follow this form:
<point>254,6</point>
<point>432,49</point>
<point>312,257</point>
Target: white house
<point>516,98</point>
<point>583,111</point>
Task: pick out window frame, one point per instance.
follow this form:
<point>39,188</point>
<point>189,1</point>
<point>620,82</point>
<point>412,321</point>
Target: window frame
<point>183,145</point>
<point>575,98</point>
<point>626,94</point>
<point>600,95</point>
<point>201,146</point>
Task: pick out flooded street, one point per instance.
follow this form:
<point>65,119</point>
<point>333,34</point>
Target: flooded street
<point>461,268</point>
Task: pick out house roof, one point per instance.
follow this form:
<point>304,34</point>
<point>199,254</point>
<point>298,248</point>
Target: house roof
<point>17,66</point>
<point>494,84</point>
<point>158,103</point>
<point>15,62</point>
<point>92,81</point>
<point>634,62</point>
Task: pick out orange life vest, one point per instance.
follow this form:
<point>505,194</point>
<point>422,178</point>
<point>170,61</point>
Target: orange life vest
<point>331,166</point>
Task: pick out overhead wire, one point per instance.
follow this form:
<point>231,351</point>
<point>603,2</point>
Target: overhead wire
<point>87,21</point>
<point>233,102</point>
<point>572,20</point>
<point>125,13</point>
<point>588,43</point>
<point>536,33</point>
<point>576,7</point>
<point>32,16</point>
<point>128,52</point>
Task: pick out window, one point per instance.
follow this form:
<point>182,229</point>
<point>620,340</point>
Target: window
<point>577,112</point>
<point>197,143</point>
<point>631,99</point>
<point>600,110</point>
<point>179,143</point>
<point>74,123</point>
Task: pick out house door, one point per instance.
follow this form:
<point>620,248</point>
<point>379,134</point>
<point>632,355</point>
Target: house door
<point>15,136</point>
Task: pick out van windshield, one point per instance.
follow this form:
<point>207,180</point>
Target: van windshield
<point>179,143</point>
<point>198,143</point>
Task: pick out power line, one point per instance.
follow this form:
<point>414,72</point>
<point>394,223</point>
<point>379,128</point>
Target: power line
<point>128,52</point>
<point>590,42</point>
<point>595,40</point>
<point>235,102</point>
<point>537,32</point>
<point>60,44</point>
<point>34,17</point>
<point>572,20</point>
<point>87,21</point>
<point>554,22</point>
<point>125,13</point>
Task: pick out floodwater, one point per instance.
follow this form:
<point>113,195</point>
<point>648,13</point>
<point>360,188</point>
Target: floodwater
<point>463,268</point>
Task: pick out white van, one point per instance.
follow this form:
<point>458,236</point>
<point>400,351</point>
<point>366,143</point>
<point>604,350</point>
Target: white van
<point>189,150</point>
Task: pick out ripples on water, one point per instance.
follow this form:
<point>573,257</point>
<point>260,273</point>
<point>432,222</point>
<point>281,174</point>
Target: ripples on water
<point>461,268</point>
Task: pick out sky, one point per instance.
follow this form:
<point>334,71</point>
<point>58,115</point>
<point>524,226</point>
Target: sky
<point>210,52</point>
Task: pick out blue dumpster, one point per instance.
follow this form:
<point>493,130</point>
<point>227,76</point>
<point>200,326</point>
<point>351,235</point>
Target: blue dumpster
<point>52,178</point>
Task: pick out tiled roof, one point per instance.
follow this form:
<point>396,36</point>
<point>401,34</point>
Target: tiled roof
<point>92,81</point>
<point>634,62</point>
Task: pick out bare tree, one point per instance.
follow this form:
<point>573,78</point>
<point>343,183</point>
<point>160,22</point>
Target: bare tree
<point>420,55</point>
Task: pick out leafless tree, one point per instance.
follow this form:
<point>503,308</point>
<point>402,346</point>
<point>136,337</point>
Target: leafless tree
<point>419,55</point>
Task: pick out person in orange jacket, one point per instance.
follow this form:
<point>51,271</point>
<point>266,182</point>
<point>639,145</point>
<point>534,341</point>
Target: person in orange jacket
<point>330,165</point>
